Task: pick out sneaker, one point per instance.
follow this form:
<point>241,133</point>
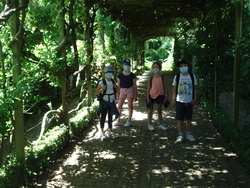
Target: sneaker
<point>162,127</point>
<point>180,139</point>
<point>190,137</point>
<point>102,136</point>
<point>151,127</point>
<point>113,135</point>
<point>117,123</point>
<point>127,124</point>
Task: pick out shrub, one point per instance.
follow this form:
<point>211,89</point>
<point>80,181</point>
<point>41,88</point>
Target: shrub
<point>40,156</point>
<point>236,136</point>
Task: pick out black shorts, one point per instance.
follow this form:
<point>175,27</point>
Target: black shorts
<point>184,111</point>
<point>157,100</point>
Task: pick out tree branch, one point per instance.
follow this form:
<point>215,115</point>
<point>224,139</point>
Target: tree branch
<point>8,11</point>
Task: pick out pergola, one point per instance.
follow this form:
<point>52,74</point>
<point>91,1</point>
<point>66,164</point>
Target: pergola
<point>151,18</point>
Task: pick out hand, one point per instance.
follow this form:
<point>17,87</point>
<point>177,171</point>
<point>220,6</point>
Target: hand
<point>174,102</point>
<point>165,99</point>
<point>104,87</point>
<point>193,101</point>
<point>116,87</point>
<point>148,101</point>
<point>135,98</point>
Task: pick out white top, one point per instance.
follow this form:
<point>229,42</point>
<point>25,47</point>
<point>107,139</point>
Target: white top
<point>109,90</point>
<point>185,88</point>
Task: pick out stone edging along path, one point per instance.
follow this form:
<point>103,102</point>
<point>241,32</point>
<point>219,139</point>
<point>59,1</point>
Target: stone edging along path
<point>140,158</point>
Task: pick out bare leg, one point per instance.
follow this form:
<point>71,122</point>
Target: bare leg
<point>159,109</point>
<point>130,108</point>
<point>189,126</point>
<point>120,104</point>
<point>180,126</point>
<point>150,113</point>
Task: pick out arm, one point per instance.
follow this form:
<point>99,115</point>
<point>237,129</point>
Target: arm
<point>118,90</point>
<point>173,95</point>
<point>166,90</point>
<point>195,96</point>
<point>135,86</point>
<point>100,89</point>
<point>148,90</point>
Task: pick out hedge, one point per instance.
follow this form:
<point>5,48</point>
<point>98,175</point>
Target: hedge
<point>41,156</point>
<point>238,137</point>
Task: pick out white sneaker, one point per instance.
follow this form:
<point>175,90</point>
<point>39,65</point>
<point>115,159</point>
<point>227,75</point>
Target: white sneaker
<point>113,135</point>
<point>190,137</point>
<point>117,123</point>
<point>179,139</point>
<point>127,124</point>
<point>151,127</point>
<point>102,136</point>
<point>162,127</point>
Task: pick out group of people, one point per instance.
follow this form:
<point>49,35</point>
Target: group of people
<point>112,92</point>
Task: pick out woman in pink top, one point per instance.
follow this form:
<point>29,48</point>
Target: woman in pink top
<point>156,93</point>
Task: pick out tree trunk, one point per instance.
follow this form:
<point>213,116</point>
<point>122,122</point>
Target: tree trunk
<point>16,59</point>
<point>62,54</point>
<point>88,35</point>
<point>238,34</point>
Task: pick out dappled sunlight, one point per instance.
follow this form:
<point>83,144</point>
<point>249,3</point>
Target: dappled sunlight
<point>139,115</point>
<point>105,155</point>
<point>143,158</point>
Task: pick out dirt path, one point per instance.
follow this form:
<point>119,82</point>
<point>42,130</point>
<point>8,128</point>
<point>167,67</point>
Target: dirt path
<point>143,159</point>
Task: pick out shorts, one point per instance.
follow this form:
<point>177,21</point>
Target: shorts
<point>184,111</point>
<point>127,93</point>
<point>157,100</point>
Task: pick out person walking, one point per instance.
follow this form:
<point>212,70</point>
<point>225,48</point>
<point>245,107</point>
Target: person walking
<point>156,93</point>
<point>184,98</point>
<point>128,90</point>
<point>107,89</point>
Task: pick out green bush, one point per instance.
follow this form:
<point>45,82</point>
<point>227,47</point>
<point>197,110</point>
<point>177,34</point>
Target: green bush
<point>41,155</point>
<point>82,119</point>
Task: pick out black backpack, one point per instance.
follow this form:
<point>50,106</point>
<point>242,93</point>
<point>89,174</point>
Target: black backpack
<point>100,96</point>
<point>177,83</point>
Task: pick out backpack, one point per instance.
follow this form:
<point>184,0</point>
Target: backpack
<point>177,83</point>
<point>100,96</point>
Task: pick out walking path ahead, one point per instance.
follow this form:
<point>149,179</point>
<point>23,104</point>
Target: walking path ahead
<point>143,159</point>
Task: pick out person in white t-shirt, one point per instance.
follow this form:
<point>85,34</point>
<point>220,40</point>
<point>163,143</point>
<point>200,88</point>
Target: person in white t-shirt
<point>184,97</point>
<point>108,88</point>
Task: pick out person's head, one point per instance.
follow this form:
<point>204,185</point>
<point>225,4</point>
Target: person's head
<point>109,72</point>
<point>183,65</point>
<point>156,67</point>
<point>126,64</point>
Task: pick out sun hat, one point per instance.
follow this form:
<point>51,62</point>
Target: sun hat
<point>108,69</point>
